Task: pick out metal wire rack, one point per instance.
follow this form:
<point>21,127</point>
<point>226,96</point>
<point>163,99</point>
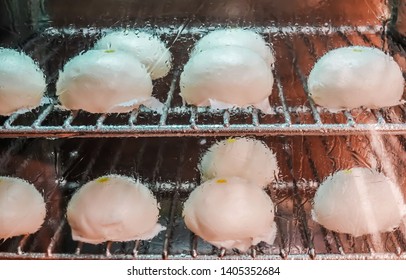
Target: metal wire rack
<point>68,163</point>
<point>294,113</point>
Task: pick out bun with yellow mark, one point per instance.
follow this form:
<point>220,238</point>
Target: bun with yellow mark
<point>113,208</point>
<point>230,212</point>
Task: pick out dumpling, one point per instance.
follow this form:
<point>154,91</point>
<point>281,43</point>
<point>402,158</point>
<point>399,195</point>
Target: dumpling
<point>22,83</point>
<point>247,158</point>
<point>104,81</point>
<point>230,212</point>
<point>113,208</point>
<point>226,77</point>
<point>148,49</point>
<point>235,37</point>
<point>351,77</point>
<point>22,208</point>
<point>358,201</point>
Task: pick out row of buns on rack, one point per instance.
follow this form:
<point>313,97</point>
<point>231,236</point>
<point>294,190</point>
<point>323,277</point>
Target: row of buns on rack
<point>230,209</point>
<point>227,68</point>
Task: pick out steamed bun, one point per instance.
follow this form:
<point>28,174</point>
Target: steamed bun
<point>358,201</point>
<point>148,49</point>
<point>235,37</point>
<point>113,208</point>
<point>231,213</point>
<point>351,77</point>
<point>100,81</point>
<point>227,74</point>
<point>22,208</point>
<point>247,158</point>
<point>22,83</point>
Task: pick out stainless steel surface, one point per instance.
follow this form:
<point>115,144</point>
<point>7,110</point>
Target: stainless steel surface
<point>130,12</point>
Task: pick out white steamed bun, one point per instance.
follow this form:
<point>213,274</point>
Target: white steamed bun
<point>103,81</point>
<point>351,77</point>
<point>148,49</point>
<point>231,213</point>
<point>22,83</point>
<point>358,201</point>
<point>247,158</point>
<point>226,75</point>
<point>235,37</point>
<point>113,208</point>
<point>22,208</point>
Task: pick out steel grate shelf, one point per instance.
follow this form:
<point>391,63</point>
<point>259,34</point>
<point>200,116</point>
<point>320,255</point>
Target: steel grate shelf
<point>294,113</point>
<point>168,167</point>
<point>149,147</point>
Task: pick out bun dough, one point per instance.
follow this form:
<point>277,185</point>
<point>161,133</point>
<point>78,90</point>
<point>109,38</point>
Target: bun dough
<point>113,208</point>
<point>247,158</point>
<point>358,201</point>
<point>230,213</point>
<point>235,37</point>
<point>100,81</point>
<point>351,77</point>
<point>230,74</point>
<point>148,49</point>
<point>22,208</point>
<point>22,83</point>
